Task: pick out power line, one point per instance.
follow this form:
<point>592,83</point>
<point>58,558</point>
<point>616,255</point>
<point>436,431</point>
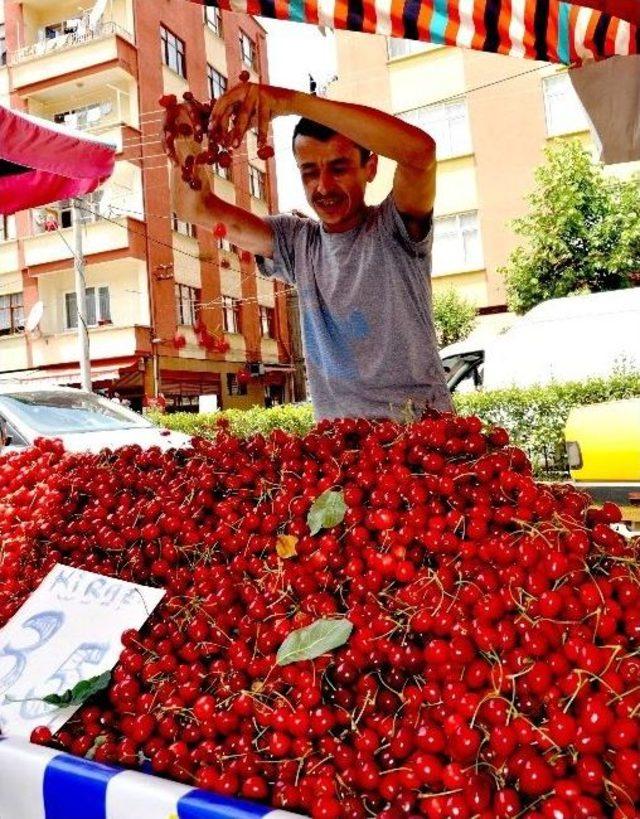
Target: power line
<point>215,302</point>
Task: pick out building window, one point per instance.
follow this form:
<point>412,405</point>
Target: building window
<point>257,183</point>
<point>217,82</point>
<point>56,216</point>
<point>456,243</point>
<point>267,321</point>
<point>248,51</point>
<point>98,307</point>
<point>7,228</point>
<point>173,52</point>
<point>563,110</point>
<point>231,315</point>
<point>223,173</point>
<point>59,215</point>
<point>185,228</point>
<point>233,388</point>
<point>61,29</point>
<point>86,117</point>
<point>225,244</point>
<point>447,123</point>
<point>402,48</point>
<point>11,314</point>
<point>213,18</point>
<point>3,45</point>
<point>187,302</point>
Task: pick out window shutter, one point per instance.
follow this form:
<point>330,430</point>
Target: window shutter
<point>71,310</point>
<point>105,304</point>
<point>91,306</point>
<point>5,315</point>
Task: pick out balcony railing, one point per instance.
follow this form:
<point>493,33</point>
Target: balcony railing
<point>80,36</point>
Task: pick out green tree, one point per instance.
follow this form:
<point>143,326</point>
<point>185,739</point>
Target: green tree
<point>453,316</point>
<point>582,233</point>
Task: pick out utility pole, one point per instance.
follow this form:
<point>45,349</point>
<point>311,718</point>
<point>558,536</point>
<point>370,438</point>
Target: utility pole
<point>81,299</point>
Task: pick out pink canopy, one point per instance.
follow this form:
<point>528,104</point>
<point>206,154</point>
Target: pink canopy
<point>41,162</point>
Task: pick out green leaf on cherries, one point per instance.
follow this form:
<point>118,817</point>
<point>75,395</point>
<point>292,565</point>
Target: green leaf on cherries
<point>80,692</point>
<point>314,640</point>
<point>326,511</point>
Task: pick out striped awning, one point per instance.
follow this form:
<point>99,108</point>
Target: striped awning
<point>569,33</point>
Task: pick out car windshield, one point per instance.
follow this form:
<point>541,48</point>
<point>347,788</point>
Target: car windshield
<point>57,413</point>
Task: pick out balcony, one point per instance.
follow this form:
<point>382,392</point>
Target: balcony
<point>104,343</point>
<point>9,259</point>
<point>397,48</point>
<point>14,352</point>
<point>78,51</point>
<point>104,105</point>
<point>49,252</point>
<point>109,343</point>
<point>269,350</point>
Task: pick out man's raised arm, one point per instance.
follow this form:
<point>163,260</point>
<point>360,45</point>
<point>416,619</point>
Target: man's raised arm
<point>249,104</point>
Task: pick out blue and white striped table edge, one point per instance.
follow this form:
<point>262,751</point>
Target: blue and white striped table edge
<point>40,783</point>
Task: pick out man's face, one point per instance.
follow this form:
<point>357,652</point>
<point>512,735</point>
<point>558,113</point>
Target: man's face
<point>334,179</point>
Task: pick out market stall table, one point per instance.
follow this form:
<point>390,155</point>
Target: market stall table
<point>40,783</point>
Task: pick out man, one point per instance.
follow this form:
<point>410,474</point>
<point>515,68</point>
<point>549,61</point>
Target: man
<point>362,273</point>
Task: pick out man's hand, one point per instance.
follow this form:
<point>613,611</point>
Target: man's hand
<point>201,206</point>
<point>182,117</point>
<point>247,105</point>
<point>188,203</point>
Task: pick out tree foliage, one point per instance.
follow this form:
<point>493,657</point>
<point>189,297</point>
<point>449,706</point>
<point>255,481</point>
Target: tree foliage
<point>453,316</point>
<point>582,232</point>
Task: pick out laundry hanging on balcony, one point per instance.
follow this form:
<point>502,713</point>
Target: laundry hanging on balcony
<point>569,33</point>
<point>41,162</point>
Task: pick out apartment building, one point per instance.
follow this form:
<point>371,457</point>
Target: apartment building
<point>491,117</point>
<point>151,277</point>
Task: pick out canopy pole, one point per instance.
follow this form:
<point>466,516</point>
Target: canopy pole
<point>81,299</point>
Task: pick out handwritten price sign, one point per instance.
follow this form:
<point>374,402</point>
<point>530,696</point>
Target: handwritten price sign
<point>66,632</point>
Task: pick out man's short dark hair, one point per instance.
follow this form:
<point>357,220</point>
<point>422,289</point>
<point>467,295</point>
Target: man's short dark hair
<point>307,127</point>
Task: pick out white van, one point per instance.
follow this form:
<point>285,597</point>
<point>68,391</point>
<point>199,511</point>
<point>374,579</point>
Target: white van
<point>569,339</point>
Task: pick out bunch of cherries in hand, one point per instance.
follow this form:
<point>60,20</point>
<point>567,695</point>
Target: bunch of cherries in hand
<point>201,129</point>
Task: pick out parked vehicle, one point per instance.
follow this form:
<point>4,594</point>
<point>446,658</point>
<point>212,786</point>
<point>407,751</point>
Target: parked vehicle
<point>569,339</point>
<point>85,422</point>
<point>603,450</point>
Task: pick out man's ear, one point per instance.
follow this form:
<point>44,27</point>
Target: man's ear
<point>372,167</point>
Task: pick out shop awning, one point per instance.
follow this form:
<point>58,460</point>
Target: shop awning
<point>65,376</point>
<point>567,33</point>
<point>41,162</point>
<point>187,382</point>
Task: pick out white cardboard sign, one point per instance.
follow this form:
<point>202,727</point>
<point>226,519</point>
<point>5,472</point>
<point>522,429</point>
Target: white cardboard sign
<point>67,631</point>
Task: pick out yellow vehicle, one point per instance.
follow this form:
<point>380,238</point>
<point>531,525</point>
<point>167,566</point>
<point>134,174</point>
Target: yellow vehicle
<point>603,449</point>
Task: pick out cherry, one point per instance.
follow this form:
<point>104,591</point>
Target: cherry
<point>41,735</point>
<point>168,101</point>
<point>491,662</point>
<point>265,152</point>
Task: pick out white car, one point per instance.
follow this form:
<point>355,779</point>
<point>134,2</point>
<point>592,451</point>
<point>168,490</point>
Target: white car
<point>83,421</point>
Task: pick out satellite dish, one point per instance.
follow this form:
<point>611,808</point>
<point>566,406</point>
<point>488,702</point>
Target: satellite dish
<point>34,318</point>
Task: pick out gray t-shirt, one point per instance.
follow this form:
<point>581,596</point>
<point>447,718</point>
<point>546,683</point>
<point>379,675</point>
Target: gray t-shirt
<point>365,310</point>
